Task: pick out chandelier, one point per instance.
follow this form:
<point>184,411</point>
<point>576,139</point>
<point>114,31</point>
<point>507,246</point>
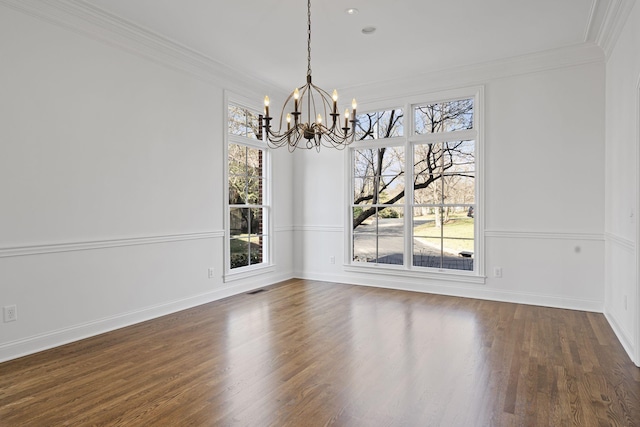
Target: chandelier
<point>313,104</point>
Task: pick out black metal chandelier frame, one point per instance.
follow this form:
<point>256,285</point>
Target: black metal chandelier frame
<point>320,106</point>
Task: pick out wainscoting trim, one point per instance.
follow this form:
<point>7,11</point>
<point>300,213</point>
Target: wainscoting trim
<point>525,234</point>
<point>319,228</point>
<point>102,244</point>
<point>621,242</point>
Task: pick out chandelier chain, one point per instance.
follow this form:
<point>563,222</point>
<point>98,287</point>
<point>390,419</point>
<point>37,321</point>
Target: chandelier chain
<point>308,37</point>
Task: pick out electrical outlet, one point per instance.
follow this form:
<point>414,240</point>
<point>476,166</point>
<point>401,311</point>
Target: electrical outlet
<point>10,313</point>
<point>497,272</point>
<point>332,260</point>
<point>211,273</point>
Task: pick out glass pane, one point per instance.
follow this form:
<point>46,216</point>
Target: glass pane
<point>391,161</point>
<point>444,157</point>
<point>390,124</point>
<point>380,124</point>
<point>458,247</point>
<point>458,156</point>
<point>428,190</point>
<point>392,189</point>
<point>254,191</point>
<point>239,252</point>
<point>237,121</point>
<point>458,254</point>
<point>364,162</point>
<point>430,159</point>
<point>457,223</point>
<point>252,125</point>
<point>254,161</point>
<point>459,189</point>
<point>237,159</point>
<point>255,249</point>
<point>364,246</point>
<point>444,117</point>
<point>391,249</point>
<point>367,126</point>
<point>363,190</point>
<point>390,220</point>
<point>256,221</point>
<point>364,219</point>
<point>389,167</point>
<point>426,222</point>
<point>391,235</point>
<point>237,190</point>
<point>427,252</point>
<point>239,221</point>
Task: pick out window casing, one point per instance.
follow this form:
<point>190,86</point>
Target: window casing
<point>247,208</point>
<point>424,217</point>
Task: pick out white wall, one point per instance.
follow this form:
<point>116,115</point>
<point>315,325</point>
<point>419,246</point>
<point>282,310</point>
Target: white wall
<point>544,185</point>
<point>111,176</point>
<point>622,186</point>
<point>111,196</point>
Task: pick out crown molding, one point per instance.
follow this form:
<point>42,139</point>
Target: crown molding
<point>83,18</point>
<point>478,74</point>
<point>606,22</point>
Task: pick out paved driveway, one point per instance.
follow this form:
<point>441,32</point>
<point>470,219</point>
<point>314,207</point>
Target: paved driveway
<point>391,246</point>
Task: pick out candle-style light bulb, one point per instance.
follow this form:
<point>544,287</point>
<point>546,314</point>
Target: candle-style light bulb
<point>354,104</point>
<point>335,104</point>
<point>319,119</point>
<point>296,96</point>
<point>266,106</point>
<point>288,121</point>
<point>346,118</point>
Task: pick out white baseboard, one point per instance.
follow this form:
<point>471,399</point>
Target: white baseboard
<point>623,336</point>
<point>23,347</point>
<point>465,291</point>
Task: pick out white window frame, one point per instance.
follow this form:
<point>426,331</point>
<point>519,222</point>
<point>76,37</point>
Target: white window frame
<point>266,265</point>
<point>409,140</point>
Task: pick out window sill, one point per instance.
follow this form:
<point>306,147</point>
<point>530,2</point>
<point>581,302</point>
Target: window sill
<point>445,275</point>
<point>245,272</point>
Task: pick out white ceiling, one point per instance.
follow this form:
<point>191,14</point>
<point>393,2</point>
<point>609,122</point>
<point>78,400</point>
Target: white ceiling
<point>267,38</point>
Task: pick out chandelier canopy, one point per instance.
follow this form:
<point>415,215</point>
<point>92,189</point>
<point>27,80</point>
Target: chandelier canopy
<point>323,125</point>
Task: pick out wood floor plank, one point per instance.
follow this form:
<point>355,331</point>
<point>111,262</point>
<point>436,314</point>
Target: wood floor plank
<point>309,353</point>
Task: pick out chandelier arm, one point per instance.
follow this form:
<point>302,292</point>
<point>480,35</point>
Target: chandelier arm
<point>327,106</point>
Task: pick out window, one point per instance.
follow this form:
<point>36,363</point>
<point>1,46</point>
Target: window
<point>247,209</point>
<point>422,216</point>
<point>378,209</point>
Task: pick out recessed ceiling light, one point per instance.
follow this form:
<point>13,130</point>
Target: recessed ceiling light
<point>368,30</point>
<point>351,11</point>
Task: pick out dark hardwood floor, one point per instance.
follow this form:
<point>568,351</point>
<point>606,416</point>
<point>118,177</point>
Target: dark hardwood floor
<point>307,353</point>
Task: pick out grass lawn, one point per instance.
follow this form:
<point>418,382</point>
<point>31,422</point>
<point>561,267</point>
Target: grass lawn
<point>459,226</point>
<point>238,244</point>
<point>241,255</point>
